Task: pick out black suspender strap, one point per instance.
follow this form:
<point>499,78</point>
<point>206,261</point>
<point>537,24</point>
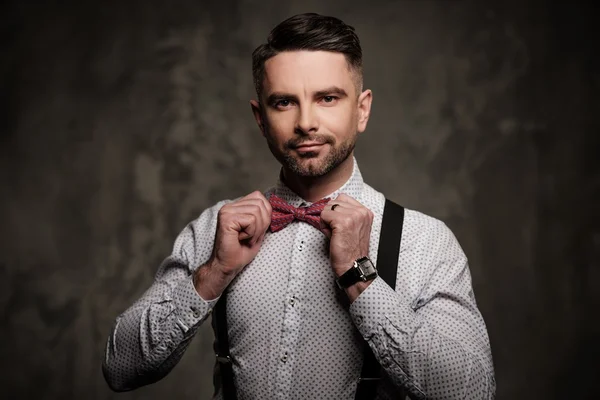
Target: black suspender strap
<point>387,265</point>
<point>223,357</point>
<point>389,242</point>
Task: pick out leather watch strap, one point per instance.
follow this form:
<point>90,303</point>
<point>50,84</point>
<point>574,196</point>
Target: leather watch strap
<point>348,278</point>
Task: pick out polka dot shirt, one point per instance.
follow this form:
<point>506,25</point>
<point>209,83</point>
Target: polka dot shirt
<point>294,335</point>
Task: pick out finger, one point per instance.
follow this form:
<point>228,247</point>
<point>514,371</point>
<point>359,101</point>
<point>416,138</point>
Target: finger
<point>262,202</point>
<point>323,221</point>
<point>265,209</point>
<point>241,219</point>
<point>258,224</point>
<point>326,221</point>
<point>338,206</point>
<point>261,238</point>
<point>329,214</point>
<point>355,205</point>
<point>260,196</point>
<point>244,225</point>
<point>347,204</point>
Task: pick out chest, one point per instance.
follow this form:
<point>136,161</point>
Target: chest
<point>291,271</point>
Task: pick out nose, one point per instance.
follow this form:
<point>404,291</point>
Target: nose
<point>307,119</point>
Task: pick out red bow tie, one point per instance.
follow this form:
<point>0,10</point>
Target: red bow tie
<point>284,213</point>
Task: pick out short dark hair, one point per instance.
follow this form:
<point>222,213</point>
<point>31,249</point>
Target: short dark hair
<point>309,31</point>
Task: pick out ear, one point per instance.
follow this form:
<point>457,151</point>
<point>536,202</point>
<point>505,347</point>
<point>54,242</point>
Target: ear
<point>257,111</point>
<point>364,109</point>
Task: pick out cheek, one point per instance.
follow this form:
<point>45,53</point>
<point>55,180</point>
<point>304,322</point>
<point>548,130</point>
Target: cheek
<point>339,120</point>
<point>281,126</point>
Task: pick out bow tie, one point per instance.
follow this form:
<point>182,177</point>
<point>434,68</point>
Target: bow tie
<point>284,213</point>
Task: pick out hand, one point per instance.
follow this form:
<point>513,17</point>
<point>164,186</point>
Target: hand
<point>241,229</point>
<point>349,230</point>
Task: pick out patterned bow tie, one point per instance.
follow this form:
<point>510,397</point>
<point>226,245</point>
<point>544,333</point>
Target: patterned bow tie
<point>284,213</point>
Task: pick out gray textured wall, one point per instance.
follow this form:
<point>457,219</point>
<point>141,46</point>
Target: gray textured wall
<point>121,121</point>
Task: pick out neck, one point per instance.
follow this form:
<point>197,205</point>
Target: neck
<point>313,189</point>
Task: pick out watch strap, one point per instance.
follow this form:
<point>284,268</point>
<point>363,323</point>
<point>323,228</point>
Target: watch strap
<point>349,277</point>
<point>357,273</point>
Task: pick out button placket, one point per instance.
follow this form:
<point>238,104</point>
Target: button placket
<point>292,319</point>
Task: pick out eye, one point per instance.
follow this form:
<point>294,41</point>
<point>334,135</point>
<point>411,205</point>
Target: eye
<point>329,99</point>
<point>283,103</point>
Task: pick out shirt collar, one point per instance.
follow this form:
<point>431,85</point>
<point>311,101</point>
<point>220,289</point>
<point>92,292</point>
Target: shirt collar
<point>353,188</point>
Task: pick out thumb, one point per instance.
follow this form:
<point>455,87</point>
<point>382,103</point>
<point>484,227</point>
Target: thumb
<point>325,228</point>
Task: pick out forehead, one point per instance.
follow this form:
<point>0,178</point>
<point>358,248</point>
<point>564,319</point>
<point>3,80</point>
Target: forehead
<point>293,71</point>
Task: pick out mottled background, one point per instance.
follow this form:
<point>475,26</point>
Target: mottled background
<point>121,121</point>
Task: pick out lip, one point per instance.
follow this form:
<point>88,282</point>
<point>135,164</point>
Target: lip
<point>309,146</point>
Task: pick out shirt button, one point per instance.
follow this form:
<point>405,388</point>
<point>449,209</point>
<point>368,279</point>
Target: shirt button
<point>292,301</point>
<point>284,357</point>
<point>195,312</point>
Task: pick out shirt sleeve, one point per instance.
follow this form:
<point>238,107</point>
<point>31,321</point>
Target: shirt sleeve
<point>437,346</point>
<point>150,337</point>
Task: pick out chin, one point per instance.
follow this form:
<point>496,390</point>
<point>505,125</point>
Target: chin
<point>310,165</point>
<point>315,163</point>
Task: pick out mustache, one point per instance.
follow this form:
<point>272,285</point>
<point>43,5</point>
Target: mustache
<point>292,144</point>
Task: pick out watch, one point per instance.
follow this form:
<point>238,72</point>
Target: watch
<point>362,270</point>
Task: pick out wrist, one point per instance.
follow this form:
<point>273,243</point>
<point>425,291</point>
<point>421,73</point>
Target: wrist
<point>340,268</point>
<point>357,277</point>
<point>355,290</point>
<point>210,281</point>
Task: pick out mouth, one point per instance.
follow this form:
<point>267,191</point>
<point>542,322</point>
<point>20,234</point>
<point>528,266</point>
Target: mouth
<point>306,147</point>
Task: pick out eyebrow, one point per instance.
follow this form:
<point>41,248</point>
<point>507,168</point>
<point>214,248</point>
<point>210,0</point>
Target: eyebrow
<point>332,90</point>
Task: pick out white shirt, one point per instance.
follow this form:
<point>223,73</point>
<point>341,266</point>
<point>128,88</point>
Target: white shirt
<point>294,335</point>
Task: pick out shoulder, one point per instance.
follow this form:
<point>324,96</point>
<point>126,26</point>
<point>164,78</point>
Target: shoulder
<point>431,234</point>
<point>208,217</point>
<point>425,225</point>
<point>420,232</point>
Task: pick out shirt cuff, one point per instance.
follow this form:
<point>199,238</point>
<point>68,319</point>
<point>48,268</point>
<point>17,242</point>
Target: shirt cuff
<point>372,307</point>
<point>191,308</point>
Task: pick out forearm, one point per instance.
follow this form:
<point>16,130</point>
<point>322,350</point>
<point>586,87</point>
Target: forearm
<point>419,355</point>
<point>433,366</point>
<point>150,338</point>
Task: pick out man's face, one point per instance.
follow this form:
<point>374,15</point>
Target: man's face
<point>310,97</point>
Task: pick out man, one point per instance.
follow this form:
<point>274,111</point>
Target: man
<point>293,334</point>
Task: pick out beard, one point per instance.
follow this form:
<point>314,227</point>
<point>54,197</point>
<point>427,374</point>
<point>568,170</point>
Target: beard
<point>322,164</point>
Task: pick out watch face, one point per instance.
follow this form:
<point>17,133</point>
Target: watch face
<point>367,268</point>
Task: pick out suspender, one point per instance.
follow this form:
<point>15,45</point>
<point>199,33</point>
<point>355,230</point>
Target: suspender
<point>387,264</point>
<point>222,349</point>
